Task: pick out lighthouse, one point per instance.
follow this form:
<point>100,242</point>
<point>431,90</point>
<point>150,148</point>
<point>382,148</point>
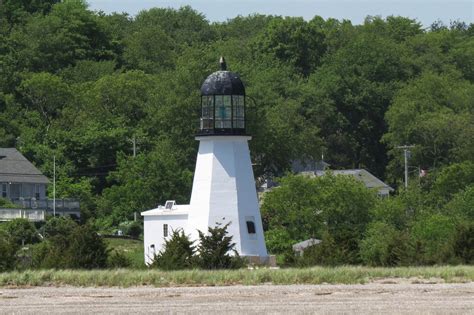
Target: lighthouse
<point>224,190</point>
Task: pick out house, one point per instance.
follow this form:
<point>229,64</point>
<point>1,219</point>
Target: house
<point>319,168</point>
<point>19,178</point>
<point>24,185</point>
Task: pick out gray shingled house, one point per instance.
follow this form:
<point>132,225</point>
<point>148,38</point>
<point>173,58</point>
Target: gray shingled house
<point>24,185</point>
<point>19,178</point>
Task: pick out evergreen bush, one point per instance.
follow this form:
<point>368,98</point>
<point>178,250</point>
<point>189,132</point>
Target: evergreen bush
<point>177,253</point>
<point>215,248</point>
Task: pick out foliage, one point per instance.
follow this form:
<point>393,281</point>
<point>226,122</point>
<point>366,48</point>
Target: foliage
<point>384,245</point>
<point>215,249</point>
<point>434,237</point>
<point>118,260</point>
<point>58,226</point>
<point>87,249</point>
<point>82,86</point>
<point>7,252</point>
<point>305,207</point>
<point>5,203</point>
<point>453,179</point>
<point>21,231</point>
<point>177,254</point>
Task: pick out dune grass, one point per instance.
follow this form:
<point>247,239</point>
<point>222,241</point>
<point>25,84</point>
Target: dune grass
<point>132,249</point>
<point>316,275</point>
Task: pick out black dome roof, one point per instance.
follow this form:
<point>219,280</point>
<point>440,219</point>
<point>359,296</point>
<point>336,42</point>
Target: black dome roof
<point>223,83</point>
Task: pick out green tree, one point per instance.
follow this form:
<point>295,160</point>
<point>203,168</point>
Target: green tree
<point>435,237</point>
<point>310,207</point>
<point>433,113</point>
<point>215,249</point>
<point>58,226</point>
<point>453,179</point>
<point>87,250</point>
<point>68,33</point>
<point>7,252</point>
<point>383,245</point>
<point>295,41</point>
<point>21,231</point>
<point>177,254</point>
<point>144,181</point>
<point>45,93</point>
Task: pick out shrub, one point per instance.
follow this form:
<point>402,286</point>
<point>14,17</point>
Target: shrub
<point>177,254</point>
<point>21,231</point>
<point>86,249</point>
<point>325,253</point>
<point>5,203</point>
<point>383,245</point>
<point>45,255</point>
<point>7,252</point>
<point>131,228</point>
<point>278,241</point>
<point>55,226</point>
<point>434,237</point>
<point>214,249</point>
<point>464,244</point>
<point>118,260</point>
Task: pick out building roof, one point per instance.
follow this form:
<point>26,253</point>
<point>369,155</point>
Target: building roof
<point>301,246</point>
<point>162,211</point>
<point>364,176</point>
<point>223,83</point>
<point>15,168</point>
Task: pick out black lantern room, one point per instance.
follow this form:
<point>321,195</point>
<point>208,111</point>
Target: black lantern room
<point>222,103</point>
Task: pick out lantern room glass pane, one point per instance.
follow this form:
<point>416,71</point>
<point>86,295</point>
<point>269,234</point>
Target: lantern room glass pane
<point>223,110</point>
<point>207,112</point>
<point>206,106</point>
<point>239,111</point>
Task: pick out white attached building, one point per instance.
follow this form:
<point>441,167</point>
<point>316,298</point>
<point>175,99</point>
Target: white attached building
<point>224,185</point>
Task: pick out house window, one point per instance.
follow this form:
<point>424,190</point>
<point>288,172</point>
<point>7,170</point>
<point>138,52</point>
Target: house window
<point>165,230</point>
<point>4,190</point>
<point>251,227</point>
<point>15,191</point>
<point>37,191</point>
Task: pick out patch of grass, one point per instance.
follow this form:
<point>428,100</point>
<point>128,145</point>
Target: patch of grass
<point>157,278</point>
<point>132,249</point>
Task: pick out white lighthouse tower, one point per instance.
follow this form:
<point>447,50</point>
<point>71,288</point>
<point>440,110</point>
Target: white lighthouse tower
<point>224,189</point>
<point>224,185</point>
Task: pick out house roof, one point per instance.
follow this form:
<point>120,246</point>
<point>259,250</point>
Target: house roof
<point>301,246</point>
<point>364,176</point>
<point>15,168</point>
<point>162,211</point>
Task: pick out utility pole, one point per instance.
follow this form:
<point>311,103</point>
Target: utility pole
<point>405,154</point>
<point>54,185</point>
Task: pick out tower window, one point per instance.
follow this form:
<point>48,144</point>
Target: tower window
<point>251,227</point>
<point>165,230</point>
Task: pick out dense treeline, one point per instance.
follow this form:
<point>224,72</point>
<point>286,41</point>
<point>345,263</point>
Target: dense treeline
<point>420,226</point>
<point>83,85</point>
